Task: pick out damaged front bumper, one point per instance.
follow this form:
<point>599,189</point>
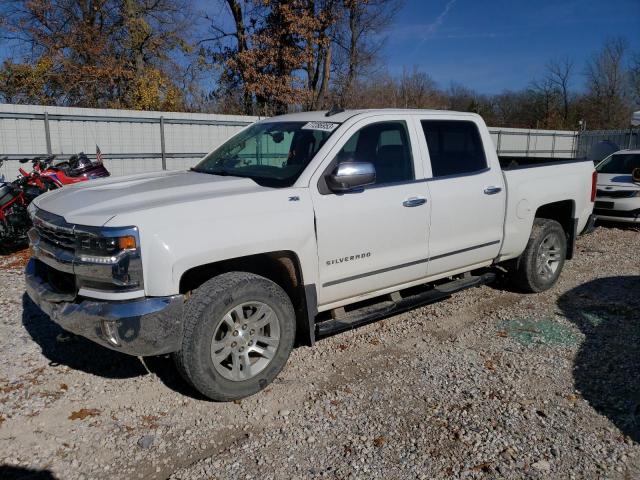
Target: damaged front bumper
<point>142,326</point>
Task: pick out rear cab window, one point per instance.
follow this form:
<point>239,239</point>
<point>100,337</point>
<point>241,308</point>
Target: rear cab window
<point>455,147</point>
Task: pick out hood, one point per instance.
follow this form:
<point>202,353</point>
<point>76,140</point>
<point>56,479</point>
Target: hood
<point>617,181</point>
<point>97,201</point>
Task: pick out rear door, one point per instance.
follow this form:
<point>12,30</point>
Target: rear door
<point>467,196</point>
<point>376,237</point>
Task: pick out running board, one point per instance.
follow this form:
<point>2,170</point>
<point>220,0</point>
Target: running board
<point>372,313</point>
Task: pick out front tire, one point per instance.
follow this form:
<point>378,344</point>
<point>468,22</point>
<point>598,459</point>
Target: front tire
<point>541,263</point>
<point>238,334</point>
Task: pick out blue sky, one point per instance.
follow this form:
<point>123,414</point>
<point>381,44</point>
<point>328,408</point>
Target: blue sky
<point>500,44</point>
<point>495,45</point>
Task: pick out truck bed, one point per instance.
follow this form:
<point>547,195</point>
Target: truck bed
<point>513,163</point>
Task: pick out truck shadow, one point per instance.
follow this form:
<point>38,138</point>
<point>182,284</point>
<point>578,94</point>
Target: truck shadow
<point>8,472</point>
<point>64,348</point>
<point>607,365</point>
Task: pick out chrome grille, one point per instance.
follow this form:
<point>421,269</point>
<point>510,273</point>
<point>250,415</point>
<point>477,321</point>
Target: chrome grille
<point>54,230</point>
<point>59,237</point>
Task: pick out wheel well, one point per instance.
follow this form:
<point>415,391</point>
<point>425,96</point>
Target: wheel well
<point>563,213</point>
<point>282,268</point>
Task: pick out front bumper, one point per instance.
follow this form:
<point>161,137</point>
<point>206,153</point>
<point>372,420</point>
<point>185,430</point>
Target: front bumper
<point>142,326</point>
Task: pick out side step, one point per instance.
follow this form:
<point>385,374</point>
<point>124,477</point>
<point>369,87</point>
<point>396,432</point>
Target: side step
<point>387,308</point>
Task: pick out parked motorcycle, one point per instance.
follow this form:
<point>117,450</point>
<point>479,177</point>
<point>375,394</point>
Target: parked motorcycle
<point>79,168</point>
<point>15,197</point>
<point>46,175</point>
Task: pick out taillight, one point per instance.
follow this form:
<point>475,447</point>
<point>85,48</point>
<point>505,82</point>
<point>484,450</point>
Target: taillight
<point>594,184</point>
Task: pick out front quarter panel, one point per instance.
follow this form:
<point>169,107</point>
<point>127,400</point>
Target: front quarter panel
<point>180,237</point>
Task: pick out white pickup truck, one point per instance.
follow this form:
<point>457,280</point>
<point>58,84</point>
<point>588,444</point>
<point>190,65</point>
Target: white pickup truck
<point>298,227</point>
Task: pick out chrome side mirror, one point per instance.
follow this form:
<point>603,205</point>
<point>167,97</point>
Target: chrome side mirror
<point>350,175</point>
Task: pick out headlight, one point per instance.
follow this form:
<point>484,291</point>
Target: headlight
<point>106,246</point>
<point>108,259</point>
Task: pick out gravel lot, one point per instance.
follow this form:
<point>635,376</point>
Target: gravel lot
<point>489,384</point>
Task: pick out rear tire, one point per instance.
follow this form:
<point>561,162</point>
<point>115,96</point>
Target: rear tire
<point>540,265</point>
<point>238,334</point>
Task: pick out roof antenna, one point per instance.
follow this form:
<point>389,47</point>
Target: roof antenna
<point>334,111</point>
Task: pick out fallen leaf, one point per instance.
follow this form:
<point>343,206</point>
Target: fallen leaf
<point>342,347</point>
<point>237,402</point>
<point>502,333</point>
<point>374,341</point>
<point>483,467</point>
<point>11,388</point>
<point>84,413</point>
<point>489,365</point>
<point>378,441</point>
<point>150,421</point>
<point>64,386</point>
<point>2,419</point>
<point>572,398</point>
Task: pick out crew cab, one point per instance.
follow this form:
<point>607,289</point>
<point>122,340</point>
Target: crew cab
<point>298,227</point>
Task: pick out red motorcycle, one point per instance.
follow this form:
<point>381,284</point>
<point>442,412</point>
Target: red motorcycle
<point>79,168</point>
<point>16,196</point>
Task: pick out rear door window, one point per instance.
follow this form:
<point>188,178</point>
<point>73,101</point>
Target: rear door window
<point>455,147</point>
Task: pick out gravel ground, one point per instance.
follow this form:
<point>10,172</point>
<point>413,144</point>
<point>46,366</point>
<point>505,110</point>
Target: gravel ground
<point>489,384</point>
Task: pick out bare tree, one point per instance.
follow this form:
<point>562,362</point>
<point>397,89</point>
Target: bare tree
<point>418,90</point>
<point>359,39</point>
<point>545,99</point>
<point>606,85</point>
<point>634,78</point>
<point>559,74</point>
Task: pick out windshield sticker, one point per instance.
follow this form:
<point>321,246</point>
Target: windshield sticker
<point>324,126</point>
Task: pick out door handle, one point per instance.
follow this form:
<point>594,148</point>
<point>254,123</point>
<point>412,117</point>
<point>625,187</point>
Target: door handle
<point>492,190</point>
<point>414,202</point>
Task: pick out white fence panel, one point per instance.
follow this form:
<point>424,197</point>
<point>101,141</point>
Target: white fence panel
<point>131,140</point>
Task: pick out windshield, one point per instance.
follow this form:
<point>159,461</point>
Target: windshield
<point>273,154</point>
<point>620,163</point>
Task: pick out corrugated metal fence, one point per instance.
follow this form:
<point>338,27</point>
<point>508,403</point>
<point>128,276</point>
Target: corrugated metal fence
<point>130,141</point>
<point>136,141</point>
<point>624,139</point>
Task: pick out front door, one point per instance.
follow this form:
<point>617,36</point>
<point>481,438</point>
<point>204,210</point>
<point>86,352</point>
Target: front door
<point>374,238</point>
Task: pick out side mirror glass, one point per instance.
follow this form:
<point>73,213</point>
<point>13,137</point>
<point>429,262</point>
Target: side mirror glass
<point>350,175</point>
<point>635,174</point>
